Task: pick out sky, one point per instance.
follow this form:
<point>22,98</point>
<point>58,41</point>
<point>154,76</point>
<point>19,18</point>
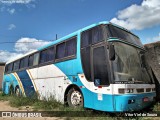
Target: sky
<point>28,24</point>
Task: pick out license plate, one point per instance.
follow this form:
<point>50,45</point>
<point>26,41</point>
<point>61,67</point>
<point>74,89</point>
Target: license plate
<point>146,99</point>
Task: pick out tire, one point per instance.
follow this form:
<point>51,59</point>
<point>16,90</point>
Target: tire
<point>11,90</point>
<point>75,98</point>
<point>17,91</point>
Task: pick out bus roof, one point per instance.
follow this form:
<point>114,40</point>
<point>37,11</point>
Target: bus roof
<point>66,37</point>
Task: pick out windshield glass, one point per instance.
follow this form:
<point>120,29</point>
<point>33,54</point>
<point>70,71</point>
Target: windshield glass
<point>127,65</point>
<point>123,35</point>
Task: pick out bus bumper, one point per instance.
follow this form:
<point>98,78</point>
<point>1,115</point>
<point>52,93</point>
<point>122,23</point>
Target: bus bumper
<point>134,102</point>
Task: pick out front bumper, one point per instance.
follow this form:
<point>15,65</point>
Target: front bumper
<point>133,102</point>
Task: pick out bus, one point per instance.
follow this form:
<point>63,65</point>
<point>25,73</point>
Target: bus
<point>99,67</point>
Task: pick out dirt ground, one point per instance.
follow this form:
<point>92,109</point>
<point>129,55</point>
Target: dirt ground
<point>4,106</point>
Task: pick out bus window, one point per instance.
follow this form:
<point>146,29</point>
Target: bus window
<point>92,36</point>
<point>86,62</point>
<point>16,65</point>
<point>21,63</point>
<point>36,59</point>
<point>9,67</point>
<point>70,47</point>
<point>97,35</point>
<point>100,67</point>
<point>60,51</point>
<point>43,56</point>
<point>31,60</point>
<point>50,54</point>
<point>24,62</point>
<point>86,38</point>
<point>47,55</point>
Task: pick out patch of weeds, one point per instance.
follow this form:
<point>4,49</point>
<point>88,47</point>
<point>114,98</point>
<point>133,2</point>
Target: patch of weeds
<point>156,107</point>
<point>4,97</point>
<point>50,105</point>
<point>22,101</point>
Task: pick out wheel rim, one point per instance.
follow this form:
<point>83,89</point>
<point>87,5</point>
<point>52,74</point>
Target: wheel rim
<point>17,92</point>
<point>76,98</point>
<point>11,91</point>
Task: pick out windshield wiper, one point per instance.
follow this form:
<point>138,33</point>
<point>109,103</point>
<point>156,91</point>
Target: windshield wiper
<point>133,80</point>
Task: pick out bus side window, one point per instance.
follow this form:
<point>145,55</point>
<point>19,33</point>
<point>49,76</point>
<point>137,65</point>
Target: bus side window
<point>47,55</point>
<point>86,62</point>
<point>71,47</point>
<point>8,67</point>
<point>92,36</point>
<point>24,63</point>
<point>43,56</point>
<point>50,54</point>
<point>86,38</point>
<point>16,65</point>
<point>60,51</point>
<point>97,34</point>
<point>36,59</point>
<point>30,60</point>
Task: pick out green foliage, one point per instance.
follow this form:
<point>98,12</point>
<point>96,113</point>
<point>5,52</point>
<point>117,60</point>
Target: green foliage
<point>4,97</point>
<point>156,107</point>
<point>52,105</point>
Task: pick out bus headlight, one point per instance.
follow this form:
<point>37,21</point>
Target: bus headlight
<point>123,91</point>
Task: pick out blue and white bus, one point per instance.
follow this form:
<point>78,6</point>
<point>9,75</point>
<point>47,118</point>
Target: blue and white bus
<point>99,67</point>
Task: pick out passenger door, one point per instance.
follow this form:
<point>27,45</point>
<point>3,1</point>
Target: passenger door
<point>100,65</point>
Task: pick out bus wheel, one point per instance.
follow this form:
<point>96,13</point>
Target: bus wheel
<point>74,98</point>
<point>11,90</point>
<point>17,91</point>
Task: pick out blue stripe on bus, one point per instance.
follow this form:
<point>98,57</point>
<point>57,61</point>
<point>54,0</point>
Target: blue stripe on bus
<point>8,80</point>
<point>27,83</point>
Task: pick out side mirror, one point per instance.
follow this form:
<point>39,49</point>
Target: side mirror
<point>111,52</point>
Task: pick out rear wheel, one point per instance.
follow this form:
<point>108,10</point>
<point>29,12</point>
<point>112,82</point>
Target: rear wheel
<point>17,91</point>
<point>11,90</point>
<point>75,98</point>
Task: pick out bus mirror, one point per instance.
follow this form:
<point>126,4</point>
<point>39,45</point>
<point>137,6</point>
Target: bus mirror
<point>111,52</point>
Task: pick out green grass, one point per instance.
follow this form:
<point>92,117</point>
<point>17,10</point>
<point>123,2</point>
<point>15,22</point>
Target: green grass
<point>53,105</point>
<point>4,97</point>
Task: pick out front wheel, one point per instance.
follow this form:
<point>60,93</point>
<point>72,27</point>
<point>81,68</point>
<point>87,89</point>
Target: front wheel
<point>75,98</point>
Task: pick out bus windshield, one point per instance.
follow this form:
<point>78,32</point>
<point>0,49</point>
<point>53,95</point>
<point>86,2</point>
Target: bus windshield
<point>123,35</point>
<point>127,65</point>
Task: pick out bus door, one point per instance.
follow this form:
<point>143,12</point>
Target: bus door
<point>100,70</point>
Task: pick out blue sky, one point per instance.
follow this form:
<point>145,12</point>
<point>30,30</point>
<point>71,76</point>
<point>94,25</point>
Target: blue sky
<point>33,20</point>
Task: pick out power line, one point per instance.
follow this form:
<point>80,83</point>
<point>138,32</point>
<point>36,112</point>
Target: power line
<point>25,42</point>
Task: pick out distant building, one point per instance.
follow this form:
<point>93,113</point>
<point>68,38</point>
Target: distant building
<point>2,65</point>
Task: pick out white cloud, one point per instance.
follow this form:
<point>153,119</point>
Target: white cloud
<point>154,39</point>
<point>6,56</point>
<point>139,16</point>
<point>28,44</point>
<point>21,47</point>
<point>11,11</point>
<point>11,27</point>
